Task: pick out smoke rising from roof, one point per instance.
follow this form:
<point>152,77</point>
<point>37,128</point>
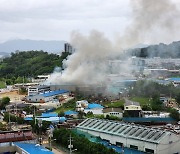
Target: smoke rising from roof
<point>88,65</point>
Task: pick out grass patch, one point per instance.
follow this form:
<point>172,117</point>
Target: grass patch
<point>115,104</point>
<point>70,105</point>
<point>142,100</point>
<point>2,84</point>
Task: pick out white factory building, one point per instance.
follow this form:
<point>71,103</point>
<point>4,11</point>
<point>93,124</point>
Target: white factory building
<point>142,138</point>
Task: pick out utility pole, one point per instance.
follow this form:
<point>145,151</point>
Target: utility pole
<point>70,146</point>
<point>9,121</point>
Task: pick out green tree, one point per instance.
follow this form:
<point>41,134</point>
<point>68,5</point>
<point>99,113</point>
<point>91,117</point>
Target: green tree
<point>4,102</point>
<point>178,98</point>
<point>80,143</point>
<point>157,105</point>
<point>174,114</point>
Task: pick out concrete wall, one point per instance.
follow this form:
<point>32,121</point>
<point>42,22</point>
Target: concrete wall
<point>117,114</point>
<point>94,111</point>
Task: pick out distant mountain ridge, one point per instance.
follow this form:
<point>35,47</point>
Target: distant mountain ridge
<point>27,45</point>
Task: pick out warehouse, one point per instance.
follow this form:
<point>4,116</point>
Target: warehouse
<point>47,97</point>
<point>149,140</point>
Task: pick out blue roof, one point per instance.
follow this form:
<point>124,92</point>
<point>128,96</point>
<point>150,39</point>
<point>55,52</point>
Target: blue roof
<point>94,106</point>
<point>28,119</point>
<point>53,119</point>
<point>174,79</point>
<point>70,112</point>
<point>33,148</point>
<point>49,114</point>
<point>52,93</point>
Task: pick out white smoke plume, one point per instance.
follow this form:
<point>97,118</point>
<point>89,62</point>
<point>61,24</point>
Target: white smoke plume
<point>88,65</point>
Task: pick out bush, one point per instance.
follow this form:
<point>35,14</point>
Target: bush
<point>82,144</point>
<point>3,102</point>
<point>174,114</point>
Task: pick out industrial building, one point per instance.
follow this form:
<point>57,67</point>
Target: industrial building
<point>47,96</point>
<point>146,139</point>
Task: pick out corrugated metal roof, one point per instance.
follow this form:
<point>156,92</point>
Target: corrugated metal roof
<point>56,92</point>
<point>128,103</point>
<point>106,110</point>
<point>123,130</point>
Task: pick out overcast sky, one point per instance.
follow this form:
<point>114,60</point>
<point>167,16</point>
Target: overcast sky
<point>56,19</point>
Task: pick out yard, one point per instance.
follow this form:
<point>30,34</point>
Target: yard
<point>66,106</point>
<point>115,104</point>
<point>142,100</point>
<point>2,84</point>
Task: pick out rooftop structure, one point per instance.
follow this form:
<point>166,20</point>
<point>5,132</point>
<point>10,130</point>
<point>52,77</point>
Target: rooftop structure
<point>35,90</point>
<point>129,103</point>
<point>142,138</point>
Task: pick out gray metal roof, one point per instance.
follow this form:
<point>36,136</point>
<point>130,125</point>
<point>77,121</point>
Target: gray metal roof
<point>128,103</point>
<point>106,110</point>
<point>124,130</point>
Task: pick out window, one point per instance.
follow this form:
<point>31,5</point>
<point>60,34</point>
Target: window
<point>134,147</point>
<point>119,144</point>
<point>149,150</point>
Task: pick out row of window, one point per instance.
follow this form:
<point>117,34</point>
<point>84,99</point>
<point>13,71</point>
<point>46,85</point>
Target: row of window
<point>114,113</point>
<point>147,150</point>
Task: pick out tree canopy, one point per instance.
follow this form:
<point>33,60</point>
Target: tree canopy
<point>30,63</point>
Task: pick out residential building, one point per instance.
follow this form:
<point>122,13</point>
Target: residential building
<point>68,48</point>
<point>81,105</point>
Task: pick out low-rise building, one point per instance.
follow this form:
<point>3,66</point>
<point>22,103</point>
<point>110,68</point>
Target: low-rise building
<point>47,96</point>
<point>142,138</point>
<point>94,108</point>
<point>113,112</point>
<point>81,105</point>
<point>132,108</point>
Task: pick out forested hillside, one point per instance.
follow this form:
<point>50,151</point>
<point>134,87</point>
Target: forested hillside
<point>30,64</point>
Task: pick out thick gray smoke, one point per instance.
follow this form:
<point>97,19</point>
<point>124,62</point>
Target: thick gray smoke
<point>88,65</point>
<point>154,21</point>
